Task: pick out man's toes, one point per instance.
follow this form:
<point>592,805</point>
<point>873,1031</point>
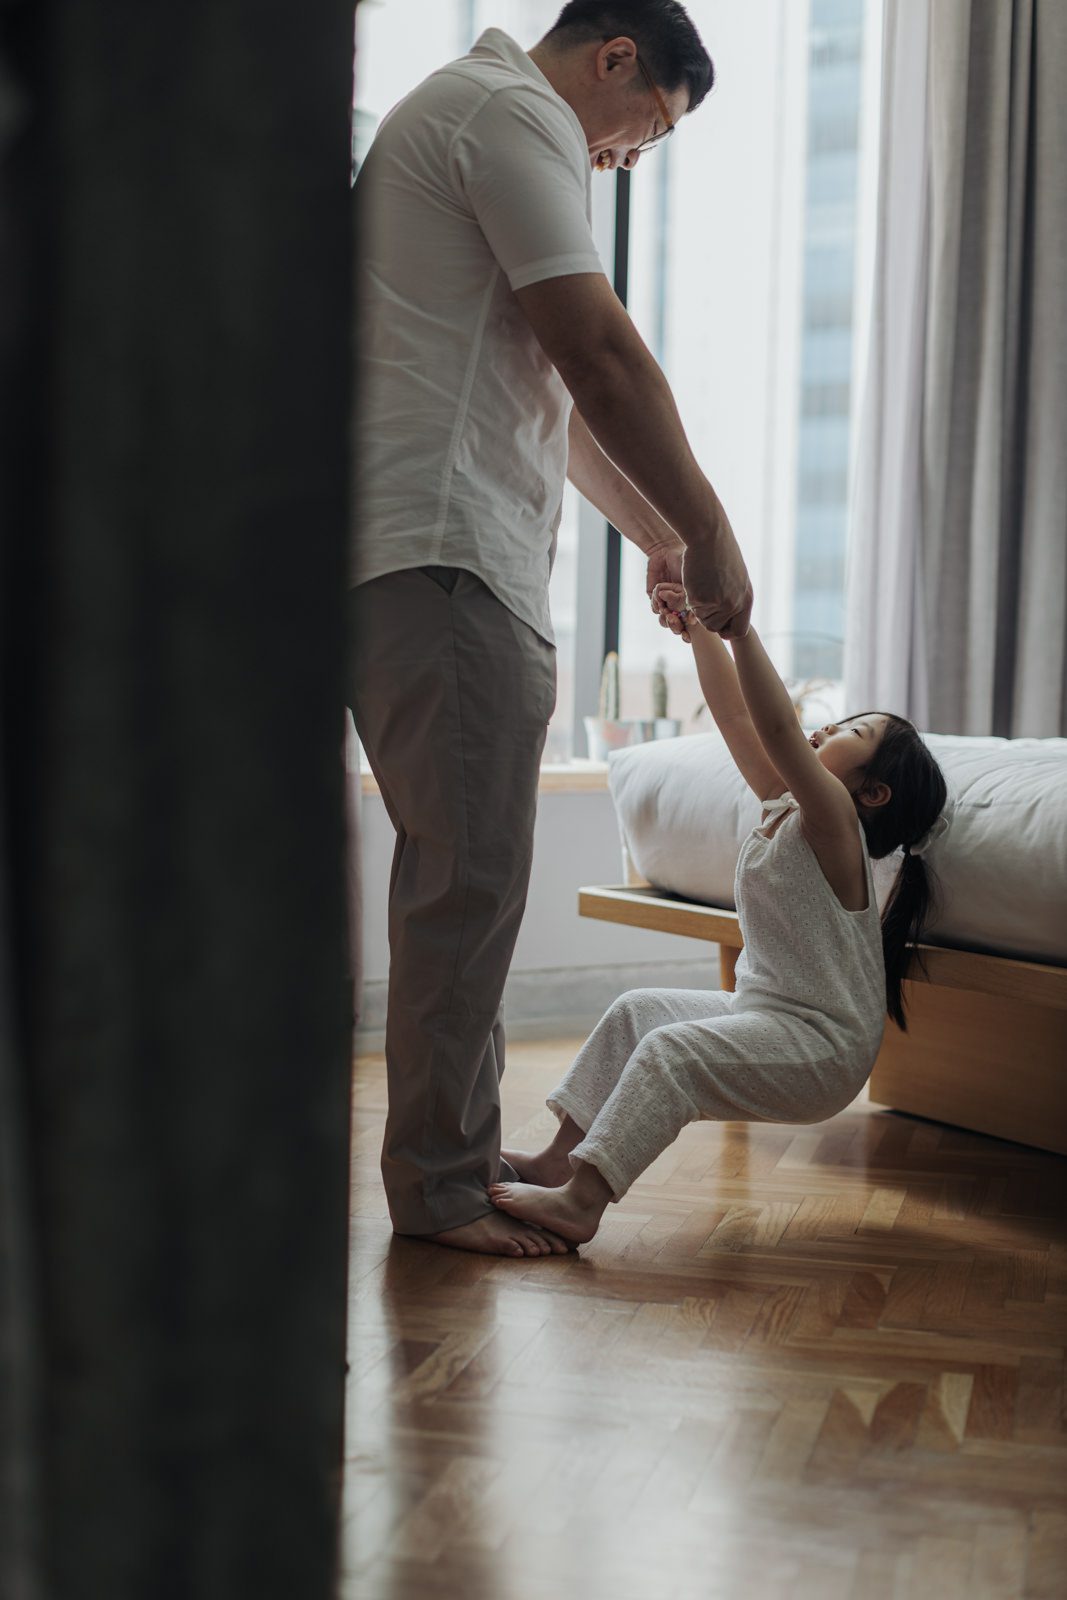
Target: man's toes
<point>554,1245</point>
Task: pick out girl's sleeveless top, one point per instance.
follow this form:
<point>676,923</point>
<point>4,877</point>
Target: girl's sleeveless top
<point>804,953</point>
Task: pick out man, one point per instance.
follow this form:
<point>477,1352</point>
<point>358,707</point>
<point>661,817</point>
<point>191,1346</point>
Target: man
<point>496,358</point>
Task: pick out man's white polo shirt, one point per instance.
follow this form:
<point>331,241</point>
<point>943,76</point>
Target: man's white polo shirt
<point>477,184</point>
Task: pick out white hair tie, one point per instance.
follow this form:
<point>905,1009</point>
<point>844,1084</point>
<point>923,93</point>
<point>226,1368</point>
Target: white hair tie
<point>937,831</point>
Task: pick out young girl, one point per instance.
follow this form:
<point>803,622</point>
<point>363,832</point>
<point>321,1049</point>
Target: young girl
<point>796,1040</point>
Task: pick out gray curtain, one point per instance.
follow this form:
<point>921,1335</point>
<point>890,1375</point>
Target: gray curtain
<point>175,278</point>
<point>958,571</point>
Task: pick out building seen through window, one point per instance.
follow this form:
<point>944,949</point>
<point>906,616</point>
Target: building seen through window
<point>749,247</point>
<point>835,84</point>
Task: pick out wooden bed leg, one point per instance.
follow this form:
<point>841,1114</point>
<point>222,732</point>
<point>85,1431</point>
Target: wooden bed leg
<point>727,962</point>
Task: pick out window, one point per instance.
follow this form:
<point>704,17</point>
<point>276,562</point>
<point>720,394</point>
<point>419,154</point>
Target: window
<point>757,312</point>
<point>825,399</point>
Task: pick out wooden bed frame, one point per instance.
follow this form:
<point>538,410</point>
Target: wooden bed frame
<point>986,1045</point>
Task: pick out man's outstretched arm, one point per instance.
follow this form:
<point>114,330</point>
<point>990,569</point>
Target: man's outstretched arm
<point>627,406</point>
<point>598,478</point>
<point>605,487</point>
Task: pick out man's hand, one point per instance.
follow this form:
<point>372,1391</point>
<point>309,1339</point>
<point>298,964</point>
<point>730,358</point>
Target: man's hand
<point>665,567</point>
<point>717,583</point>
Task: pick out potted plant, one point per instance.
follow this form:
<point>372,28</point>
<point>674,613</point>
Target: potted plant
<point>664,726</point>
<point>606,731</point>
<point>610,731</point>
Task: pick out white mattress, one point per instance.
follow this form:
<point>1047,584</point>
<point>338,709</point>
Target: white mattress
<point>684,811</point>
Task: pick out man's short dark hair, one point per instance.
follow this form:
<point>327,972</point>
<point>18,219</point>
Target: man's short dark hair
<point>666,40</point>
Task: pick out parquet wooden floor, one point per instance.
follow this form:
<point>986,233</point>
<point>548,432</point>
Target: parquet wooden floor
<point>819,1362</point>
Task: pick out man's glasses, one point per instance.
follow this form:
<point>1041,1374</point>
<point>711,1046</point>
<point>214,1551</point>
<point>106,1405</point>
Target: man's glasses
<point>668,125</point>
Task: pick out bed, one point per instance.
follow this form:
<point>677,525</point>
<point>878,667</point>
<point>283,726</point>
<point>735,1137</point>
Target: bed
<point>986,1046</point>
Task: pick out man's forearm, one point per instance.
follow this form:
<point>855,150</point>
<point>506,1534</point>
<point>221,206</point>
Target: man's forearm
<point>627,406</point>
<point>601,482</point>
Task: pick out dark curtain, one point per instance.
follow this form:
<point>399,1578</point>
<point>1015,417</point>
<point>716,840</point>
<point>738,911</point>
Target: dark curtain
<point>175,273</point>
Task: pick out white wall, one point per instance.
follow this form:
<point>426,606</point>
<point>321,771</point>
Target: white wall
<point>566,968</point>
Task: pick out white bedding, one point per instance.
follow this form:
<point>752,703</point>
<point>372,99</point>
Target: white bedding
<point>684,810</point>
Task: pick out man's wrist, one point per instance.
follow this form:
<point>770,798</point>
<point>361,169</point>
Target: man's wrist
<point>658,544</point>
<point>708,535</point>
<point>707,530</point>
<point>658,540</point>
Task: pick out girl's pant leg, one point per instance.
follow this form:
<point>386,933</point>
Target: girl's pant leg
<point>743,1067</point>
<point>600,1062</point>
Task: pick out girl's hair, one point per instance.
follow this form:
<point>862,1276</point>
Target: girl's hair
<point>918,797</point>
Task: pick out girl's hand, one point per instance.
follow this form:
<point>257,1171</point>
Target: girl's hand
<point>670,602</point>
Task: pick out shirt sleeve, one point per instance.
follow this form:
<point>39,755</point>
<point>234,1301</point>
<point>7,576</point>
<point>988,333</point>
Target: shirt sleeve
<point>517,164</point>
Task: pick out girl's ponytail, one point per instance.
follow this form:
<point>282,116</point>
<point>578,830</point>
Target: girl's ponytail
<point>913,816</point>
<point>903,919</point>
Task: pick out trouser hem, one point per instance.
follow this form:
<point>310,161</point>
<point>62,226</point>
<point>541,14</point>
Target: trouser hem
<point>593,1156</point>
<point>487,1210</point>
<point>564,1105</point>
<point>467,1206</point>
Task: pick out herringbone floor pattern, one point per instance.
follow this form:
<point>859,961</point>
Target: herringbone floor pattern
<point>819,1362</point>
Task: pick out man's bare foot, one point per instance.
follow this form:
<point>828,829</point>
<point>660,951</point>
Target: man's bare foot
<point>497,1235</point>
<point>557,1209</point>
<point>550,1168</point>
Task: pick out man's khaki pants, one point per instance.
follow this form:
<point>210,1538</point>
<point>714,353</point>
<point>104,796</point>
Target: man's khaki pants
<point>451,695</point>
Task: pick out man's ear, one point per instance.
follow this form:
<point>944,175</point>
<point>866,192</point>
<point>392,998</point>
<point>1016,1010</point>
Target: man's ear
<point>875,795</point>
<point>614,53</point>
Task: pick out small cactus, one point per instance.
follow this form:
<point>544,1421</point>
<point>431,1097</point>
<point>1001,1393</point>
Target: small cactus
<point>609,688</point>
<point>659,688</point>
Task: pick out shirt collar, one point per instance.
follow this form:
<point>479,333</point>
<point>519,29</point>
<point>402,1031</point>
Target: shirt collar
<point>500,46</point>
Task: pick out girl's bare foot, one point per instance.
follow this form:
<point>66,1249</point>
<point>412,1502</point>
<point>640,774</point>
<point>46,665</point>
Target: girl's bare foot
<point>561,1210</point>
<point>496,1235</point>
<point>550,1168</point>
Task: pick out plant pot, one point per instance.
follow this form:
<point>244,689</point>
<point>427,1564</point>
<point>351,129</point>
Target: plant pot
<point>667,727</point>
<point>604,734</point>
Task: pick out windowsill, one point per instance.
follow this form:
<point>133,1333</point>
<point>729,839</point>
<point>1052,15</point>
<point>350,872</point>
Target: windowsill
<point>563,777</point>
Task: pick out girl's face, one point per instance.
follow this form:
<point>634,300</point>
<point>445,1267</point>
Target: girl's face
<point>846,748</point>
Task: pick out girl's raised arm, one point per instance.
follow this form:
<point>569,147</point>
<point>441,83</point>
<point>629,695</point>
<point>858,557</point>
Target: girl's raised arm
<point>825,804</point>
<point>722,692</point>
